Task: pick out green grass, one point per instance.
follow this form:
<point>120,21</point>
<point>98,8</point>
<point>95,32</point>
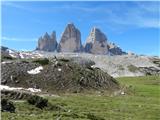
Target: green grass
<point>141,102</point>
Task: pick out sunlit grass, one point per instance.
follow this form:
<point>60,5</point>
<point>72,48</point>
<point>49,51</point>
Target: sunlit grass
<point>142,102</point>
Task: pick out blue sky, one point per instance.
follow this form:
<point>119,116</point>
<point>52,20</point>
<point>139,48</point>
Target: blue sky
<point>134,26</point>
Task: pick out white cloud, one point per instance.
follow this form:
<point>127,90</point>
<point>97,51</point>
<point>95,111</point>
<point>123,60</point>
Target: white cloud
<point>18,39</point>
<point>120,14</point>
<point>16,5</point>
<point>141,15</point>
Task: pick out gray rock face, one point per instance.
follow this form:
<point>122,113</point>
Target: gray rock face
<point>96,42</point>
<point>47,42</point>
<point>115,50</point>
<point>70,40</point>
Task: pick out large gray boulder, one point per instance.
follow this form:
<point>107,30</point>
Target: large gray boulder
<point>96,43</point>
<point>70,40</point>
<point>47,42</point>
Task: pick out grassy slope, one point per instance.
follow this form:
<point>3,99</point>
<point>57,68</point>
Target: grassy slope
<point>141,103</point>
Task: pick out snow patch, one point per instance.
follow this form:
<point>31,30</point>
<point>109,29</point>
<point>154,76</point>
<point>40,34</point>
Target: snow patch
<point>34,90</point>
<point>92,66</point>
<point>3,62</point>
<point>10,51</point>
<point>35,71</point>
<point>122,93</point>
<point>21,55</point>
<point>5,87</point>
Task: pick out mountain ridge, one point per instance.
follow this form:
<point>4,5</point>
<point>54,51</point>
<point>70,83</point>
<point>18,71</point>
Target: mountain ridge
<point>70,41</point>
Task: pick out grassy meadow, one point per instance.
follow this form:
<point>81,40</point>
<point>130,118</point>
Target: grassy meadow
<point>141,101</point>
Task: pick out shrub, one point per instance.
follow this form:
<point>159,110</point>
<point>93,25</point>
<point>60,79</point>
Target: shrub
<point>64,60</point>
<point>38,101</point>
<point>7,106</point>
<point>44,61</point>
<point>94,117</point>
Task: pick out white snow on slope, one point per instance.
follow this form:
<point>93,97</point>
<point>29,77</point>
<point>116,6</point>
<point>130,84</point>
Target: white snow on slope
<point>21,55</point>
<point>5,87</point>
<point>35,71</point>
<point>34,90</point>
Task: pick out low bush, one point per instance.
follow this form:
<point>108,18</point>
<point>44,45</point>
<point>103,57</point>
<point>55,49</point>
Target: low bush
<point>38,101</point>
<point>44,61</point>
<point>7,106</point>
<point>94,117</point>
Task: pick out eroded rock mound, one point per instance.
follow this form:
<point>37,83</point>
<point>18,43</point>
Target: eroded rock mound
<point>58,75</point>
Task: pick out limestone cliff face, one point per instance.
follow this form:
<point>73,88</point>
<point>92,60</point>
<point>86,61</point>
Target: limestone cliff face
<point>96,43</point>
<point>47,42</point>
<point>115,50</point>
<point>70,40</point>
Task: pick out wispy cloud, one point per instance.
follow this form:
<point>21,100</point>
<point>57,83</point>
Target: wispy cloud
<point>135,15</point>
<point>122,14</point>
<point>18,39</point>
<point>15,5</point>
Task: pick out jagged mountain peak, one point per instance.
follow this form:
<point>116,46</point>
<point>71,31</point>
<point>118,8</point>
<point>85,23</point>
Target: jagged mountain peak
<point>70,41</point>
<point>47,42</point>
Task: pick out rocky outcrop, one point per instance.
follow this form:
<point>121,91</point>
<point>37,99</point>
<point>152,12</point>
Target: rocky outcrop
<point>96,42</point>
<point>115,50</point>
<point>47,42</point>
<point>59,75</point>
<point>70,40</point>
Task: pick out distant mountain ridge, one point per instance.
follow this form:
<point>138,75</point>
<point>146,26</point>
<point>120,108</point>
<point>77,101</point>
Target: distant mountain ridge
<point>70,41</point>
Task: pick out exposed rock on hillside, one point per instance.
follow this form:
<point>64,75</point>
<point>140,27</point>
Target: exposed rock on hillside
<point>115,50</point>
<point>118,65</point>
<point>70,40</point>
<point>58,75</point>
<point>9,54</point>
<point>96,42</point>
<point>47,43</point>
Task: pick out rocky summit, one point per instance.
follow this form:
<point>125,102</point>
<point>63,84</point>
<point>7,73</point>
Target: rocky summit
<point>70,40</point>
<point>47,42</point>
<point>96,42</point>
<point>115,50</point>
